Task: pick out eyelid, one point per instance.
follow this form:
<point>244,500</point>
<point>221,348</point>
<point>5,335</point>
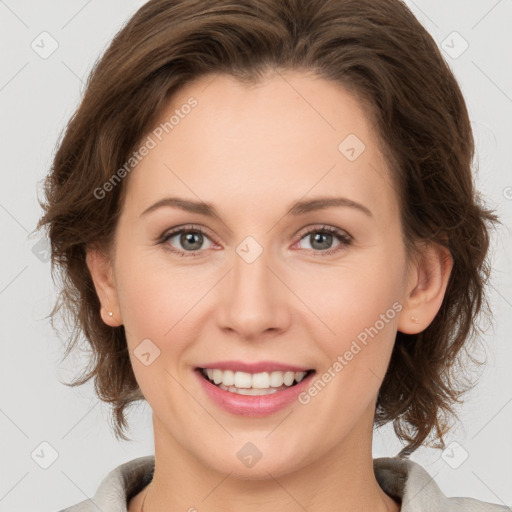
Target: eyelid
<point>188,227</point>
<point>324,227</point>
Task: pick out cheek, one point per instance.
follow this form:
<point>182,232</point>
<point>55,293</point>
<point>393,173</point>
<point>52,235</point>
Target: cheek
<point>359,307</point>
<point>155,300</point>
<point>361,311</point>
<point>158,315</point>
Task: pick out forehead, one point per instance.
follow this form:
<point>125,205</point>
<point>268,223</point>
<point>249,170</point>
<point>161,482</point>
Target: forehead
<point>291,134</point>
<point>286,106</point>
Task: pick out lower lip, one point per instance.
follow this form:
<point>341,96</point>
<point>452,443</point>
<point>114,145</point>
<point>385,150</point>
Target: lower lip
<point>254,406</point>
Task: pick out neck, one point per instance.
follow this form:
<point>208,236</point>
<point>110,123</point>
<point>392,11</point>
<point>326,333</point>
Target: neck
<point>341,480</point>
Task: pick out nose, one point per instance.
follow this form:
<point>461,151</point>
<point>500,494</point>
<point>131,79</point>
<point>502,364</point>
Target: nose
<point>253,299</point>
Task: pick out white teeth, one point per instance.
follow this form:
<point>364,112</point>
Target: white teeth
<point>288,378</point>
<point>252,391</point>
<point>242,380</point>
<point>299,376</point>
<point>276,379</point>
<point>228,378</point>
<point>249,383</point>
<point>261,380</point>
<point>217,376</point>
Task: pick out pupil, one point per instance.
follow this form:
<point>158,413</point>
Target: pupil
<point>327,235</point>
<point>188,237</point>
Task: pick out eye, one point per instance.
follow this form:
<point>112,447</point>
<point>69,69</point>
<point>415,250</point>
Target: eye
<point>322,238</point>
<point>191,238</point>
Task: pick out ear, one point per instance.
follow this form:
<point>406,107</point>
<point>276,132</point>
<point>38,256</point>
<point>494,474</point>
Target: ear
<point>100,267</point>
<point>426,286</point>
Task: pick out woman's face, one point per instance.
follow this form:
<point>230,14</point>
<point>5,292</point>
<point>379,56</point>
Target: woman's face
<point>264,283</point>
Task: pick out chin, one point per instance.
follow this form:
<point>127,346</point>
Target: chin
<point>253,460</point>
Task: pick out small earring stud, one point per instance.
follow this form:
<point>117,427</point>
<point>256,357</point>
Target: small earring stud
<point>414,320</point>
<point>110,313</point>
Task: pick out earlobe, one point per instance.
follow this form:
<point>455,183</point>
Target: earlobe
<point>100,268</point>
<point>426,287</point>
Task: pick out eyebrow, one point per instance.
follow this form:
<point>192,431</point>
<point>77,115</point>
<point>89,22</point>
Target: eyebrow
<point>298,208</point>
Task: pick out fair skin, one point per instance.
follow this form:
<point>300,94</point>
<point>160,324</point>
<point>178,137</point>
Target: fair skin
<point>252,151</point>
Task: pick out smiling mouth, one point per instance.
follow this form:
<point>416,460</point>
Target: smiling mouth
<point>255,384</point>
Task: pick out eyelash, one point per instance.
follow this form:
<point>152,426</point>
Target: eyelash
<point>344,238</point>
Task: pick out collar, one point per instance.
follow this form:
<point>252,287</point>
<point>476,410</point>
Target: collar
<point>403,479</point>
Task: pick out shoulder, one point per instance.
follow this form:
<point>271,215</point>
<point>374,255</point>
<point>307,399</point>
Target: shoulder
<point>118,486</point>
<point>409,483</point>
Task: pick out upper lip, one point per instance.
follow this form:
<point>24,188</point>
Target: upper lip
<point>259,367</point>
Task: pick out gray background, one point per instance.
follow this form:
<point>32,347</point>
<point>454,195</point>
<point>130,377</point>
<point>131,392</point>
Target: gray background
<point>38,94</point>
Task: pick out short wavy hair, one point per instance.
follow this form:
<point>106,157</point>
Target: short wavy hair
<point>375,49</point>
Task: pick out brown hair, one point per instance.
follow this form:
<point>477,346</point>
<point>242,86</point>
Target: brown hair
<point>377,50</point>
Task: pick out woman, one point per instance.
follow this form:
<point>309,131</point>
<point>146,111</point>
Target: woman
<point>321,171</point>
